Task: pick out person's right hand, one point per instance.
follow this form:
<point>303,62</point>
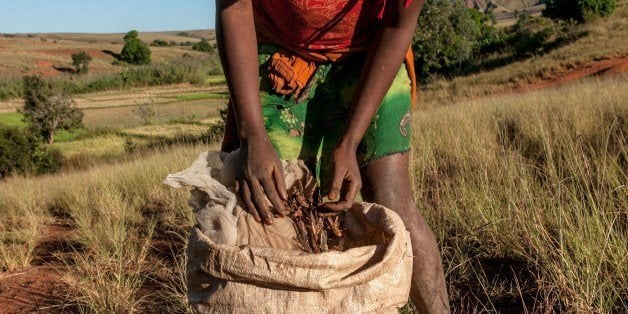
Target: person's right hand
<point>260,176</point>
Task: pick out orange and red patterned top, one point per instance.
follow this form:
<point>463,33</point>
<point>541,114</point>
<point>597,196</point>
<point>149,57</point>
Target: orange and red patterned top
<point>324,30</point>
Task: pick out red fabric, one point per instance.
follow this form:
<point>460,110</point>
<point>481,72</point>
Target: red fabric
<point>321,25</point>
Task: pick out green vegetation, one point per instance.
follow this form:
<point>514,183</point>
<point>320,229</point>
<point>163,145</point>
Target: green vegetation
<point>10,87</point>
<point>198,69</point>
<point>203,46</point>
<point>22,153</point>
<point>579,10</point>
<point>81,61</point>
<point>452,40</point>
<point>450,34</point>
<point>199,96</point>
<point>135,51</point>
<point>13,120</point>
<point>160,43</point>
<point>48,111</point>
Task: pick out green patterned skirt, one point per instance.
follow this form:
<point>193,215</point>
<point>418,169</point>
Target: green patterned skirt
<point>309,128</point>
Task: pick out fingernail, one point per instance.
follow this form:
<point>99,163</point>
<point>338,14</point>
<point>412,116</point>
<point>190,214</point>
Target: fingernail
<point>332,196</point>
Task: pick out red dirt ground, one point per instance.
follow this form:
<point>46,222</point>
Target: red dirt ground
<point>39,288</point>
<point>601,68</point>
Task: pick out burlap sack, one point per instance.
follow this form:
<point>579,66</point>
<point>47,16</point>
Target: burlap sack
<point>238,265</point>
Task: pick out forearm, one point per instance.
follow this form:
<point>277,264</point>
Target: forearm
<point>237,45</point>
<point>382,63</point>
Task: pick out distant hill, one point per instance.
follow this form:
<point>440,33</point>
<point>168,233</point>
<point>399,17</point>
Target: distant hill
<point>49,54</point>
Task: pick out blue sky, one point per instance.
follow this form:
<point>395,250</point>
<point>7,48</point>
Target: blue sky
<point>104,16</point>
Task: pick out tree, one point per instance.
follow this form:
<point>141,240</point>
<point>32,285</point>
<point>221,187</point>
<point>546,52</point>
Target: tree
<point>448,34</point>
<point>47,111</point>
<point>203,46</point>
<point>81,61</point>
<point>135,51</point>
<point>578,10</point>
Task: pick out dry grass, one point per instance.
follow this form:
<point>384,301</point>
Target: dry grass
<point>168,130</point>
<point>533,187</point>
<point>526,194</point>
<point>128,117</point>
<point>129,228</point>
<point>34,55</point>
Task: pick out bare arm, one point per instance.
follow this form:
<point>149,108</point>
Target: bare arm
<point>261,173</point>
<point>384,58</point>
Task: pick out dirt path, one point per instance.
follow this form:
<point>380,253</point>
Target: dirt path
<point>39,288</point>
<point>601,68</point>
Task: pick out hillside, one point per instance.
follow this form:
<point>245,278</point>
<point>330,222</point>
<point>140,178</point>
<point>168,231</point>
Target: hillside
<point>50,54</point>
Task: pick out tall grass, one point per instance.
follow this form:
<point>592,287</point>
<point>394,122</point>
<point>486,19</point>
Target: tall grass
<point>525,193</point>
<point>532,187</point>
<point>130,231</point>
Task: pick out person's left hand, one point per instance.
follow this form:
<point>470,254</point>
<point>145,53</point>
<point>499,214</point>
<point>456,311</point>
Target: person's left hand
<point>346,179</point>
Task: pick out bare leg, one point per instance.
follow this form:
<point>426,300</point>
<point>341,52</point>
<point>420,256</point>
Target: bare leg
<point>387,182</point>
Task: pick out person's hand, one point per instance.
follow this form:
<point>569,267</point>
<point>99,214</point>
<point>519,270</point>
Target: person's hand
<point>346,179</point>
<point>261,176</point>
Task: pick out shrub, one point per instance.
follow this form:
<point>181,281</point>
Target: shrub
<point>135,51</point>
<point>10,87</point>
<point>578,10</point>
<point>81,61</point>
<point>160,43</point>
<point>203,46</point>
<point>146,112</point>
<point>22,153</point>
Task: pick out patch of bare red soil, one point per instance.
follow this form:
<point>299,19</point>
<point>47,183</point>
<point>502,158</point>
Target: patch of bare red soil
<point>67,52</point>
<point>601,68</point>
<point>39,288</point>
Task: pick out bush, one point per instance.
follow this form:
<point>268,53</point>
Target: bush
<point>10,87</point>
<point>203,46</point>
<point>578,10</point>
<point>160,43</point>
<point>22,153</point>
<point>135,51</point>
<point>81,61</point>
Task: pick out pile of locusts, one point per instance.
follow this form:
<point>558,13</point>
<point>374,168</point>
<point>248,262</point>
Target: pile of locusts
<point>317,230</point>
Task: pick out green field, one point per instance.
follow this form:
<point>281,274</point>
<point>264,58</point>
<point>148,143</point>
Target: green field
<point>12,119</point>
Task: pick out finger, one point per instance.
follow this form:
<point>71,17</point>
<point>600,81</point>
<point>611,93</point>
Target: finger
<point>269,188</point>
<point>259,199</point>
<point>354,186</point>
<point>280,183</point>
<point>337,206</point>
<point>245,193</point>
<point>336,184</point>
